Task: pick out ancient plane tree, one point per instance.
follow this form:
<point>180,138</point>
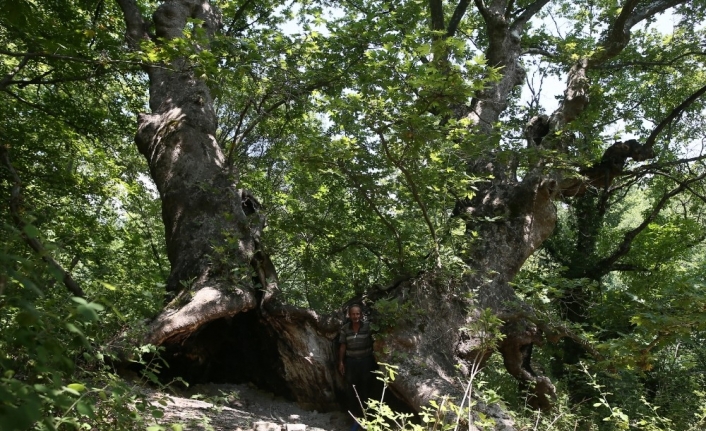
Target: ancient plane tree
<point>436,93</point>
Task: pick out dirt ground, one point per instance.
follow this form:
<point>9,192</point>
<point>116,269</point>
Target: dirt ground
<point>221,407</point>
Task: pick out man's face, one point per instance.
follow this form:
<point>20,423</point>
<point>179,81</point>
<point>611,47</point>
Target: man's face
<point>354,314</point>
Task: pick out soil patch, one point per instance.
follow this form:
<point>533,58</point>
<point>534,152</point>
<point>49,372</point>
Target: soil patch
<point>221,407</point>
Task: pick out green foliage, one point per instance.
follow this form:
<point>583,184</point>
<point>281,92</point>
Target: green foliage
<point>390,313</point>
<point>645,323</point>
<point>55,369</point>
<point>487,327</point>
<point>67,117</point>
<point>440,415</point>
<point>342,121</point>
<point>355,176</point>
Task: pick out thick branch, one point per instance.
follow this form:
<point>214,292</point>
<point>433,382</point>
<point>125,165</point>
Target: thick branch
<point>482,9</point>
<point>620,25</point>
<point>618,35</point>
<point>326,324</point>
<point>575,97</point>
<point>651,10</point>
<point>136,29</point>
<point>528,13</point>
<point>538,51</point>
<point>552,332</point>
<point>457,16</point>
<point>612,164</point>
<point>436,9</point>
<point>614,41</point>
<point>34,243</point>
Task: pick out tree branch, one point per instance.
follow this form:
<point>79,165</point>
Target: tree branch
<point>538,51</point>
<point>689,188</point>
<point>528,13</point>
<point>629,236</point>
<point>34,243</point>
<point>620,24</point>
<point>96,61</point>
<point>49,112</point>
<point>457,16</point>
<point>236,16</point>
<point>553,332</point>
<point>38,81</point>
<point>650,63</point>
<point>7,79</point>
<point>136,30</point>
<point>236,141</point>
<point>617,36</point>
<point>672,115</point>
<point>575,96</point>
<point>415,193</point>
<point>652,9</point>
<point>376,210</point>
<point>482,9</point>
<point>628,267</point>
<point>366,246</point>
<point>658,165</point>
<point>436,9</point>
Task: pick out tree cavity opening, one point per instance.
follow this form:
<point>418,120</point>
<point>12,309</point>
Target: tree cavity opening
<point>234,350</point>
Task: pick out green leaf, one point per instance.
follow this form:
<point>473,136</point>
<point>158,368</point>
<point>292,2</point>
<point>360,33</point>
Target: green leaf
<point>108,286</point>
<point>85,409</point>
<point>78,387</point>
<point>31,231</point>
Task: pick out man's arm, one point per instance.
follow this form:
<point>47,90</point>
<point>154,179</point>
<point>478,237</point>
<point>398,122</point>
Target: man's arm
<point>341,356</point>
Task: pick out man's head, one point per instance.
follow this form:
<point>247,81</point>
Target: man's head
<point>355,313</point>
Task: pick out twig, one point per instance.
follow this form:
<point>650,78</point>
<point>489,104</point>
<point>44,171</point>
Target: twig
<point>413,188</point>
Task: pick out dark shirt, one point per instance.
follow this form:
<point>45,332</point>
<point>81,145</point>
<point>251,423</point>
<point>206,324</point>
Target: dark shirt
<point>358,344</point>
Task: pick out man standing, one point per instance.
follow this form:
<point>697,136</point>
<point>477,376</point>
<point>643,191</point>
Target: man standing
<point>355,359</point>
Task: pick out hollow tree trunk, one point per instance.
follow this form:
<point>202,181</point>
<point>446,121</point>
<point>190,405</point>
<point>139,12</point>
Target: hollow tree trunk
<point>218,273</point>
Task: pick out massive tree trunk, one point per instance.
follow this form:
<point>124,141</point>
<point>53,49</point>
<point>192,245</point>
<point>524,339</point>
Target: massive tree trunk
<point>221,325</point>
<point>224,320</point>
